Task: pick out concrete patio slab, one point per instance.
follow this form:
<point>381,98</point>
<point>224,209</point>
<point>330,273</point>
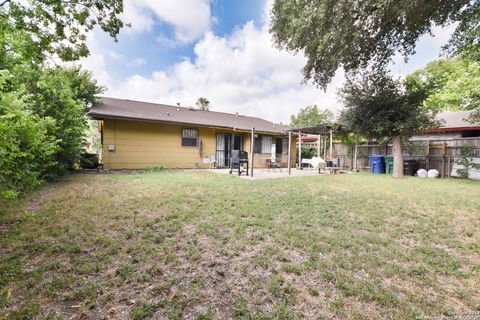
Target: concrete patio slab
<point>259,174</point>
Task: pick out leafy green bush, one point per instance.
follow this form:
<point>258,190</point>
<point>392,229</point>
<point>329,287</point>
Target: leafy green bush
<point>465,160</point>
<point>64,95</point>
<point>42,124</point>
<point>26,148</point>
<point>43,108</point>
<point>308,153</point>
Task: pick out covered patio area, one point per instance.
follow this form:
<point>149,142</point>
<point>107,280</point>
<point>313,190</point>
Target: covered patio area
<point>324,142</point>
<point>261,174</point>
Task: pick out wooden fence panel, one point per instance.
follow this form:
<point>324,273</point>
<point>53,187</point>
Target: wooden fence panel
<point>431,154</point>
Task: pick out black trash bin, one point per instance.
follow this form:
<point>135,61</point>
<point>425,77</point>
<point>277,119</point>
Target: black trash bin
<point>409,167</point>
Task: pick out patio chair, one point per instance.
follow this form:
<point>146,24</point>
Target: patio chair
<point>269,164</point>
<point>213,162</point>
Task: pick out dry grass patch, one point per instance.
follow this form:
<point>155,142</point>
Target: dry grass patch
<point>192,245</point>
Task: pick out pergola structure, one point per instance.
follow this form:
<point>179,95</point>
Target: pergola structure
<point>320,130</point>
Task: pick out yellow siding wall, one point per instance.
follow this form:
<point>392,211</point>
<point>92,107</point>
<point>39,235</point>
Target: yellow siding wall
<point>141,145</point>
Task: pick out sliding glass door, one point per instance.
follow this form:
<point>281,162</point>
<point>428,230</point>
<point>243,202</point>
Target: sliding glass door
<point>224,145</point>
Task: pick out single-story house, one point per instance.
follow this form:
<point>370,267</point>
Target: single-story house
<point>137,135</point>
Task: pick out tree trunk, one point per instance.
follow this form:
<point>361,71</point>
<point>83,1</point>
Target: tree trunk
<point>397,157</point>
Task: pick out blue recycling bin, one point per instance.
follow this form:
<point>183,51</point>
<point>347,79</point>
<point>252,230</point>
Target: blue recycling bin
<point>377,163</point>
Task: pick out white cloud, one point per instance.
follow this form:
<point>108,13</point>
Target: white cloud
<point>429,48</point>
<point>137,15</point>
<point>166,42</point>
<point>114,55</point>
<point>189,18</point>
<point>96,61</point>
<point>137,62</point>
<point>241,72</point>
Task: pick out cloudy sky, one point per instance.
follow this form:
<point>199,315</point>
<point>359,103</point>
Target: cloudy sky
<point>177,51</point>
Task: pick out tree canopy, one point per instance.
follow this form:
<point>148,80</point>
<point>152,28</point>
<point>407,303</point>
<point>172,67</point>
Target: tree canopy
<point>310,116</point>
<point>465,40</point>
<point>449,84</point>
<point>42,121</point>
<point>43,109</point>
<point>35,28</point>
<point>26,148</point>
<point>354,35</point>
<point>378,106</point>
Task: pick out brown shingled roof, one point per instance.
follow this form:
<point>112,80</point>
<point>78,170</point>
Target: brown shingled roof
<point>137,110</point>
<point>456,120</point>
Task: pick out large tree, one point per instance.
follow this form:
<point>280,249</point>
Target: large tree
<point>43,109</point>
<point>450,84</point>
<point>65,94</point>
<point>36,28</point>
<point>26,147</point>
<point>381,107</point>
<point>354,35</point>
<point>310,116</point>
<point>42,124</point>
<point>465,40</point>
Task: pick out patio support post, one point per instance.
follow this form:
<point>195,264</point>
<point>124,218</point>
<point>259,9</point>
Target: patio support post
<point>252,149</point>
<point>289,161</point>
<point>299,149</point>
<point>325,148</point>
<point>318,146</point>
<point>355,153</point>
<point>331,144</point>
<point>231,149</point>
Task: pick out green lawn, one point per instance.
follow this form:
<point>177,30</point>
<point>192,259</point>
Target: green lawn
<point>205,246</point>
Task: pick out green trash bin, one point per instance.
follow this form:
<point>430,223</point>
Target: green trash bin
<point>389,164</point>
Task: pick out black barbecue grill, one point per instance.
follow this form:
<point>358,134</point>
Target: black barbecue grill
<point>237,159</point>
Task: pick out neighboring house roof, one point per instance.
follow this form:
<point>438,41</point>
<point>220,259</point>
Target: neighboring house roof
<point>456,121</point>
<point>145,111</point>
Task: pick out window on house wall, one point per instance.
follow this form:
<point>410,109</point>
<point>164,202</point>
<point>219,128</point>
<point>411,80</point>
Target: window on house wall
<point>258,144</point>
<point>279,145</point>
<point>266,144</point>
<point>285,146</point>
<point>189,137</point>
